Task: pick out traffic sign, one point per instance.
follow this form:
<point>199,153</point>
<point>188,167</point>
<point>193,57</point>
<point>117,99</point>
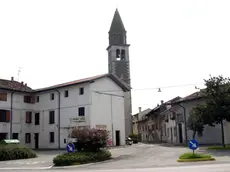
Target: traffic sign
<point>193,144</point>
<point>70,147</point>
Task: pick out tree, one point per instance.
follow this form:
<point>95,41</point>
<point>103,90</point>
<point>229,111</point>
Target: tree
<point>195,121</point>
<point>90,139</point>
<point>217,103</point>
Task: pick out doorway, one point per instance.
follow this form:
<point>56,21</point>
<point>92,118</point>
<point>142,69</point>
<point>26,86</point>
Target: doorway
<point>180,133</point>
<point>171,135</point>
<point>36,140</point>
<point>117,137</point>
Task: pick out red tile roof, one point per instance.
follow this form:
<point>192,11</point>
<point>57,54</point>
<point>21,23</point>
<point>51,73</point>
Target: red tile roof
<point>17,86</point>
<point>14,85</point>
<point>79,81</point>
<point>193,96</point>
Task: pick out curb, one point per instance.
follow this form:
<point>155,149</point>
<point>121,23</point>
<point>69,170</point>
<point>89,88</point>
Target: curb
<point>29,168</point>
<point>196,160</point>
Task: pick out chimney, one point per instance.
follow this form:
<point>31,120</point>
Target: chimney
<point>12,78</point>
<point>139,109</point>
<point>22,82</point>
<point>25,84</point>
<point>158,105</point>
<point>162,102</point>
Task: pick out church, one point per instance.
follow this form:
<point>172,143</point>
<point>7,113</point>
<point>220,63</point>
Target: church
<point>43,118</point>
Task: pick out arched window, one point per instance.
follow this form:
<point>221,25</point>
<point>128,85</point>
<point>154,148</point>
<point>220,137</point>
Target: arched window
<point>118,54</point>
<point>122,54</point>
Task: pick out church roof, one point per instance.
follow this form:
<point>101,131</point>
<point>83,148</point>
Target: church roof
<point>119,82</point>
<point>117,24</point>
<point>20,87</point>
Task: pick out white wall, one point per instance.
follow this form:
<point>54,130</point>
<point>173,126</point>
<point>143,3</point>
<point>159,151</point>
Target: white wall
<point>211,135</point>
<point>103,113</point>
<point>95,114</point>
<point>68,110</point>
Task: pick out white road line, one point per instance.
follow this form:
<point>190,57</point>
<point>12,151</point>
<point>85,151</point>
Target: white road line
<point>29,168</point>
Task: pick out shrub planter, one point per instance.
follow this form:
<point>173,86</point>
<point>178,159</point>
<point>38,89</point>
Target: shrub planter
<point>190,157</point>
<point>77,158</point>
<point>15,151</point>
<point>227,147</point>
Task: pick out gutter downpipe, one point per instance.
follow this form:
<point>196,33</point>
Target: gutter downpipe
<point>11,114</point>
<point>59,119</point>
<point>185,123</point>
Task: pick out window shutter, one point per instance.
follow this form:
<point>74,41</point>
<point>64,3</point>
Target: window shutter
<point>7,116</point>
<point>33,99</point>
<point>27,117</point>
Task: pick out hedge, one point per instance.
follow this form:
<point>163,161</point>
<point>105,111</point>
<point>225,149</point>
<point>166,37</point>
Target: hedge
<point>15,151</point>
<point>77,158</point>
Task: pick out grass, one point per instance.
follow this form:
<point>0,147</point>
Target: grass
<point>190,157</point>
<point>220,147</point>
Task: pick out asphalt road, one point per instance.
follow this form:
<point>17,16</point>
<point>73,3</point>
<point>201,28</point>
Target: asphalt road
<point>203,168</point>
<point>141,156</point>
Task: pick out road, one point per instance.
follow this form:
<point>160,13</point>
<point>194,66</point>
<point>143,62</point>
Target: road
<point>141,156</point>
<point>203,168</point>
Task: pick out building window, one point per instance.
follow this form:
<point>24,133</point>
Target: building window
<point>81,91</point>
<point>51,117</point>
<point>29,99</point>
<point>15,136</point>
<point>37,99</point>
<point>28,138</point>
<point>122,54</point>
<point>51,137</point>
<point>118,54</point>
<point>3,136</point>
<point>28,117</point>
<point>37,119</point>
<point>81,111</point>
<point>4,116</point>
<point>3,96</point>
<point>52,96</point>
<point>66,93</point>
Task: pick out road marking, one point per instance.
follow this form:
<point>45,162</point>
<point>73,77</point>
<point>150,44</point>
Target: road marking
<point>29,168</point>
<point>24,162</point>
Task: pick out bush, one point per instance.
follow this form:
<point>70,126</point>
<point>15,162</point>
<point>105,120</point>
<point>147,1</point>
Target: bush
<point>76,158</point>
<point>15,151</point>
<point>90,140</point>
<point>2,142</point>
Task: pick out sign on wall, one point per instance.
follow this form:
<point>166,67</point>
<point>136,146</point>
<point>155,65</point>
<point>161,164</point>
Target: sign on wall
<point>79,119</point>
<point>101,127</point>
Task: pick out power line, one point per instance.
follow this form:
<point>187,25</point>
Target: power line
<point>156,88</point>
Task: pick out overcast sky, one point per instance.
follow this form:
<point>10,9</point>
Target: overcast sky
<point>172,42</point>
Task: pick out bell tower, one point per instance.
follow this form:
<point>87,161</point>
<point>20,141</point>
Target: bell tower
<point>118,61</point>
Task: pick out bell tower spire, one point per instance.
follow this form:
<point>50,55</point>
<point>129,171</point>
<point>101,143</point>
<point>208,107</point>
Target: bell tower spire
<point>118,49</point>
<point>118,62</point>
<point>117,32</point>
